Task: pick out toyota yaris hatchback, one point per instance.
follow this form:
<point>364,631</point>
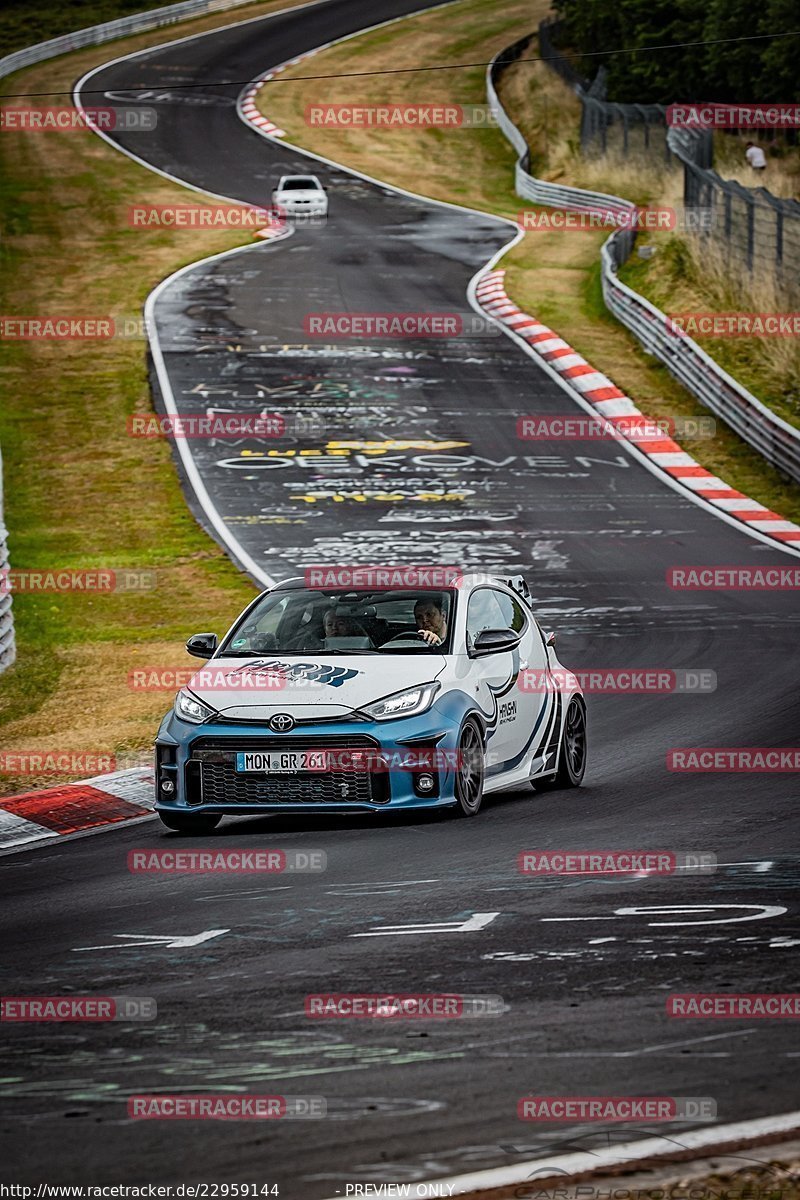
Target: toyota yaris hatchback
<point>369,700</point>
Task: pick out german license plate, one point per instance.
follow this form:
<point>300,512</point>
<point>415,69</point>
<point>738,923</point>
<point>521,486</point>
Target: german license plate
<point>280,762</point>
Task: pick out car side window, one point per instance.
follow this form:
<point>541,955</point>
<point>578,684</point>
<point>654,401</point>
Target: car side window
<point>513,612</point>
<point>483,612</point>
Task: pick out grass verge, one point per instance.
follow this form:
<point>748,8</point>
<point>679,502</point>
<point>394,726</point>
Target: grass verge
<point>80,493</point>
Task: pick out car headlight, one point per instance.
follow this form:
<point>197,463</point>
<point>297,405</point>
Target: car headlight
<point>191,709</point>
<point>407,703</point>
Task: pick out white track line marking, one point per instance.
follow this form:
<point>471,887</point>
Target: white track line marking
<point>596,1162</point>
<point>475,922</point>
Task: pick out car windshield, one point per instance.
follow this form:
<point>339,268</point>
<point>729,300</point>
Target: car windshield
<point>302,620</point>
<point>296,185</point>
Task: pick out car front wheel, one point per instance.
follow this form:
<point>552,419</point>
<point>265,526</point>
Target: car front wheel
<point>469,771</point>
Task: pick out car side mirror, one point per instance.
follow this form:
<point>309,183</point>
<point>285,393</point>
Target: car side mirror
<point>549,638</point>
<point>202,645</point>
<point>493,641</point>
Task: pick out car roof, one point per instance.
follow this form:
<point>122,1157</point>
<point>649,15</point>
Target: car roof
<point>283,178</point>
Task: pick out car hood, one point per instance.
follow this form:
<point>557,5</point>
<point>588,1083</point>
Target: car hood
<point>310,687</point>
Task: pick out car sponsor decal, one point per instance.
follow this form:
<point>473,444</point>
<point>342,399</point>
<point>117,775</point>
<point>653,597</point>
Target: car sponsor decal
<point>498,691</point>
<point>318,672</point>
<point>510,763</point>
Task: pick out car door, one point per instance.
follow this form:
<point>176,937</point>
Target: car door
<point>494,680</point>
<point>535,701</point>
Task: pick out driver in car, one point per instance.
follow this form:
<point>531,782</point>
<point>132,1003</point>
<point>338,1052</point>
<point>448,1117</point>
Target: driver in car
<point>431,622</point>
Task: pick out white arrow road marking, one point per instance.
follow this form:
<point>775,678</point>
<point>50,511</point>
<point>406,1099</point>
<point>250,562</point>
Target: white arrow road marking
<point>169,940</point>
<point>476,921</point>
<point>755,912</point>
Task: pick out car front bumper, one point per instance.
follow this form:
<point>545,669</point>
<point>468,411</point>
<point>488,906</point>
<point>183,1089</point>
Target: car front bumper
<point>199,762</point>
<point>299,209</point>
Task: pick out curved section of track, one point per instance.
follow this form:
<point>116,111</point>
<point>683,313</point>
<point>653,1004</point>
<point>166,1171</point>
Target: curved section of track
<point>418,461</point>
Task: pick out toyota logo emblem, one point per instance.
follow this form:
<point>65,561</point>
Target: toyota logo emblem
<point>281,722</point>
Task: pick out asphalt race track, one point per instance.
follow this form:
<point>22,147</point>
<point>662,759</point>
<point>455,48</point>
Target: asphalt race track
<point>584,966</point>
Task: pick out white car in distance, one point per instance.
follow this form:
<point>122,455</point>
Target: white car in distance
<point>300,196</point>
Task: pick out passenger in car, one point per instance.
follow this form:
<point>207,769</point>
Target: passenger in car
<point>336,625</point>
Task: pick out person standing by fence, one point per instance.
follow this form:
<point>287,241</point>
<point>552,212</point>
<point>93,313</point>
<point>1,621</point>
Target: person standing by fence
<point>755,156</point>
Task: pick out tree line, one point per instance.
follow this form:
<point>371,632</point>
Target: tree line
<point>744,71</point>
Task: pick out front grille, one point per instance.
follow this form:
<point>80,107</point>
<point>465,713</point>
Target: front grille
<point>211,775</point>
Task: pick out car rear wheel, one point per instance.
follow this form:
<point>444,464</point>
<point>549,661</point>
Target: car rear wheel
<point>469,771</point>
<point>572,757</point>
<point>194,823</point>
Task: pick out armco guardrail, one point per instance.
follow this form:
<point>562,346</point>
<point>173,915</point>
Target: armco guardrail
<point>95,35</point>
<point>539,190</point>
<point>7,646</point>
<point>774,438</point>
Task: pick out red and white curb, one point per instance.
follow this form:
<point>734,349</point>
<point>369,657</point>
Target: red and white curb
<point>248,107</point>
<point>76,807</point>
<point>249,110</point>
<point>617,408</point>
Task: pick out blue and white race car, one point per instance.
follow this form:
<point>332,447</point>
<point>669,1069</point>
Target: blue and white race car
<point>343,699</point>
